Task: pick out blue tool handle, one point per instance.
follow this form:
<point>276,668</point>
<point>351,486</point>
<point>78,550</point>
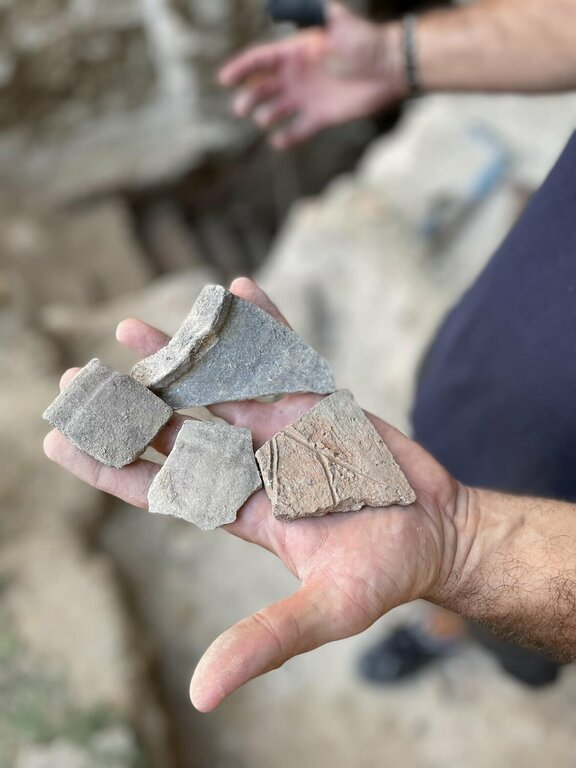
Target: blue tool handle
<point>303,13</point>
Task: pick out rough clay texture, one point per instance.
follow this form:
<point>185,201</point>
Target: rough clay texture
<point>208,476</point>
<point>230,349</point>
<point>331,460</point>
<point>108,415</point>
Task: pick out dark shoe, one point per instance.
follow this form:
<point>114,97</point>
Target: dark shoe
<point>544,672</point>
<point>529,667</point>
<point>403,653</point>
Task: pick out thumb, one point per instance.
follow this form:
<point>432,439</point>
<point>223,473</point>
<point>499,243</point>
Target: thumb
<point>265,641</point>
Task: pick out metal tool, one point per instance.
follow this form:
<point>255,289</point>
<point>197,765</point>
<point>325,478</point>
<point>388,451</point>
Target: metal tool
<point>303,13</point>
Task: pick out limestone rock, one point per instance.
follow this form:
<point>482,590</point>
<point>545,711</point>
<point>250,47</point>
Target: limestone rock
<point>331,460</point>
<point>108,415</point>
<point>230,349</point>
<point>208,476</point>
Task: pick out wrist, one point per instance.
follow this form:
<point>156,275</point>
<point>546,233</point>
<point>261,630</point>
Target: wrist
<point>460,555</point>
<point>391,65</point>
<point>484,527</point>
<point>509,565</point>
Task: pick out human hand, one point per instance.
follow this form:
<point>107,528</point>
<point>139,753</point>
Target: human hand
<point>318,78</point>
<point>353,567</point>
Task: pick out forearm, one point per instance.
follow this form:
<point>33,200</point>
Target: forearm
<point>499,45</point>
<point>514,570</point>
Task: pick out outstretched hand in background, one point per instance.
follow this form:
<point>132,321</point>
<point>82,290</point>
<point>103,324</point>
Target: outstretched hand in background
<point>318,78</point>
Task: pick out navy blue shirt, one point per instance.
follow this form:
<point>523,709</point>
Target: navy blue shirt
<point>496,400</point>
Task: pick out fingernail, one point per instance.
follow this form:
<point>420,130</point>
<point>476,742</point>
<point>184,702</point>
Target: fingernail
<point>262,117</point>
<point>240,104</point>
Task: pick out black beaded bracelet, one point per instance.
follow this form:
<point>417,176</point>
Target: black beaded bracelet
<point>410,63</point>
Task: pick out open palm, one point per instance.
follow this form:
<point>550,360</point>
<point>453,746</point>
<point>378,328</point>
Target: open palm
<point>318,78</point>
<point>353,567</point>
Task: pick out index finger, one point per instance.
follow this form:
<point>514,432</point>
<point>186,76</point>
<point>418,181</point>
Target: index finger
<point>262,57</point>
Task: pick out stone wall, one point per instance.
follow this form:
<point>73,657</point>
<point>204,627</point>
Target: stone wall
<point>61,64</point>
<point>96,95</point>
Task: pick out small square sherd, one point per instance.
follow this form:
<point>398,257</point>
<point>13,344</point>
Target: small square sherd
<point>209,474</point>
<point>108,415</point>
